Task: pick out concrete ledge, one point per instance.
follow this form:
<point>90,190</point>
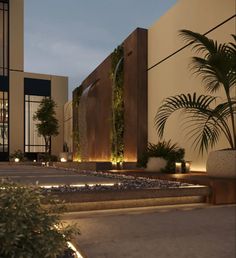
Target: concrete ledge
<point>223,190</point>
<point>73,197</point>
<point>86,201</point>
<point>120,204</point>
<point>95,166</point>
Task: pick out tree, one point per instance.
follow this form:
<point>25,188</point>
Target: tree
<point>28,229</point>
<point>48,123</point>
<point>206,120</point>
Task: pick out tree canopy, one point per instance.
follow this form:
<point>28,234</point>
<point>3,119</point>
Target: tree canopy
<point>47,125</point>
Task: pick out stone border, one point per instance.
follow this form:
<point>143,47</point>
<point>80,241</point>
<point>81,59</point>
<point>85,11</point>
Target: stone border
<point>82,201</point>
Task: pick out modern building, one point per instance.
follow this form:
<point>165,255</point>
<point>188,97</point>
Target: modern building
<point>21,92</point>
<point>156,66</point>
<point>168,63</point>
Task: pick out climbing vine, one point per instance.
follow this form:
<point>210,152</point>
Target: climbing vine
<point>117,76</point>
<point>76,135</point>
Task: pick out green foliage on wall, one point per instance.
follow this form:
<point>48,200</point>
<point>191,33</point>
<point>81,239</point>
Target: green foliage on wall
<point>76,135</point>
<point>117,77</point>
<point>77,95</point>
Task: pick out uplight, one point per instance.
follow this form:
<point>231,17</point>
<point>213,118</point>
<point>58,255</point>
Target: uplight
<point>178,167</point>
<point>63,160</point>
<point>17,160</point>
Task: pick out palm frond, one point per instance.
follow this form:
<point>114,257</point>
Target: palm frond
<point>218,64</point>
<point>199,42</point>
<point>205,123</point>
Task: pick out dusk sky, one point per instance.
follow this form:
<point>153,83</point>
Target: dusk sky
<point>72,37</point>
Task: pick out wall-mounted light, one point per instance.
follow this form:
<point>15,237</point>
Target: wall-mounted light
<point>178,167</point>
<point>187,166</point>
<point>17,160</point>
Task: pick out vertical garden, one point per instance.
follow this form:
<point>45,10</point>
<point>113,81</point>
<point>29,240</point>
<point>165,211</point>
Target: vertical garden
<point>117,76</point>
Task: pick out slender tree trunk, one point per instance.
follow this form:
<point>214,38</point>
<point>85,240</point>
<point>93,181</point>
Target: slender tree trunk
<point>232,120</point>
<point>50,145</point>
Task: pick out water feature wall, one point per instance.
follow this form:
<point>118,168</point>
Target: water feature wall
<point>93,116</point>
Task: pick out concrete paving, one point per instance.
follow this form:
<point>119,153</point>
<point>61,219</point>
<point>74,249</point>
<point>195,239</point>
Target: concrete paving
<point>48,176</point>
<point>177,232</point>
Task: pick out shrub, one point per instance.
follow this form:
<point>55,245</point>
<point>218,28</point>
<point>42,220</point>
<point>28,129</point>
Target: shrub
<point>17,154</point>
<point>27,229</point>
<point>45,157</point>
<point>171,152</point>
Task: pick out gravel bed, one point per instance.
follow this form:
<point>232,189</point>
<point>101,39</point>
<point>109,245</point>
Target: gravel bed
<point>124,183</point>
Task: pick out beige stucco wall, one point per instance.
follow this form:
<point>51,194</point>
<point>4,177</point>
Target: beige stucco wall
<point>16,111</point>
<point>16,35</point>
<point>172,76</point>
<point>59,92</point>
<point>68,125</point>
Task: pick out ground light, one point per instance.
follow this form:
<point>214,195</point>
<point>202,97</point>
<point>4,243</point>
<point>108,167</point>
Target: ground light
<point>72,247</point>
<point>76,185</point>
<point>187,166</point>
<point>178,167</point>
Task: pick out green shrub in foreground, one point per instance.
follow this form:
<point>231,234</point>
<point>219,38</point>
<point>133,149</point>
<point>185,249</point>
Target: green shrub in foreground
<point>26,228</point>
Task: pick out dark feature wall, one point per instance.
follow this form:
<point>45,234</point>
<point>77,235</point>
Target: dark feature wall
<point>98,114</point>
<point>135,94</point>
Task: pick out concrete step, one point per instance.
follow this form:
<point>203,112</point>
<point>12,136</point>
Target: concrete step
<point>87,201</point>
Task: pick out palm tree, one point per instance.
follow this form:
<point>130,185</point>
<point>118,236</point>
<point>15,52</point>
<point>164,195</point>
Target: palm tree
<point>204,119</point>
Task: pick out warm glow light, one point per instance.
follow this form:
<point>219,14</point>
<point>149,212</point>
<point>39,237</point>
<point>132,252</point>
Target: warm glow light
<point>72,247</point>
<point>187,166</point>
<point>77,185</point>
<point>178,167</point>
<point>130,160</point>
<point>76,160</point>
<point>34,160</point>
<point>63,160</point>
<point>198,168</point>
<point>17,160</point>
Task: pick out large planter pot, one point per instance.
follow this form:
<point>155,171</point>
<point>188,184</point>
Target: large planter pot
<point>156,164</point>
<point>222,163</point>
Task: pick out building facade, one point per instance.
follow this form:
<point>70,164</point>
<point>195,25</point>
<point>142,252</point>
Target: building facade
<point>168,63</point>
<point>166,74</point>
<point>21,92</point>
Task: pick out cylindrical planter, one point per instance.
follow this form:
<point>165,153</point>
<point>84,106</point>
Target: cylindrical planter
<point>222,163</point>
<point>156,164</point>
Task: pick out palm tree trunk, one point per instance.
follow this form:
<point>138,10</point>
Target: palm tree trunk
<point>232,119</point>
<point>49,146</point>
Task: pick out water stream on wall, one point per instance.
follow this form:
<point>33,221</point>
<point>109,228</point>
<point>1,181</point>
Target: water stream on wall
<point>83,125</point>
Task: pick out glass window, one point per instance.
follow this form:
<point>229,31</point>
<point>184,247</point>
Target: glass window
<point>33,142</point>
<point>4,39</point>
<point>3,121</point>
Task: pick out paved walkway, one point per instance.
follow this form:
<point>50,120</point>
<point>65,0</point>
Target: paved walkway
<point>48,176</point>
<point>206,232</point>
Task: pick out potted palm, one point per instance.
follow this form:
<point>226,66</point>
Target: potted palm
<point>208,118</point>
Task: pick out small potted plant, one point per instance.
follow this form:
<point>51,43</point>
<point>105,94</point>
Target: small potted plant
<point>161,157</point>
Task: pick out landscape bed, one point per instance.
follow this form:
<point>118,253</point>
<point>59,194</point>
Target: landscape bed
<point>129,191</point>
